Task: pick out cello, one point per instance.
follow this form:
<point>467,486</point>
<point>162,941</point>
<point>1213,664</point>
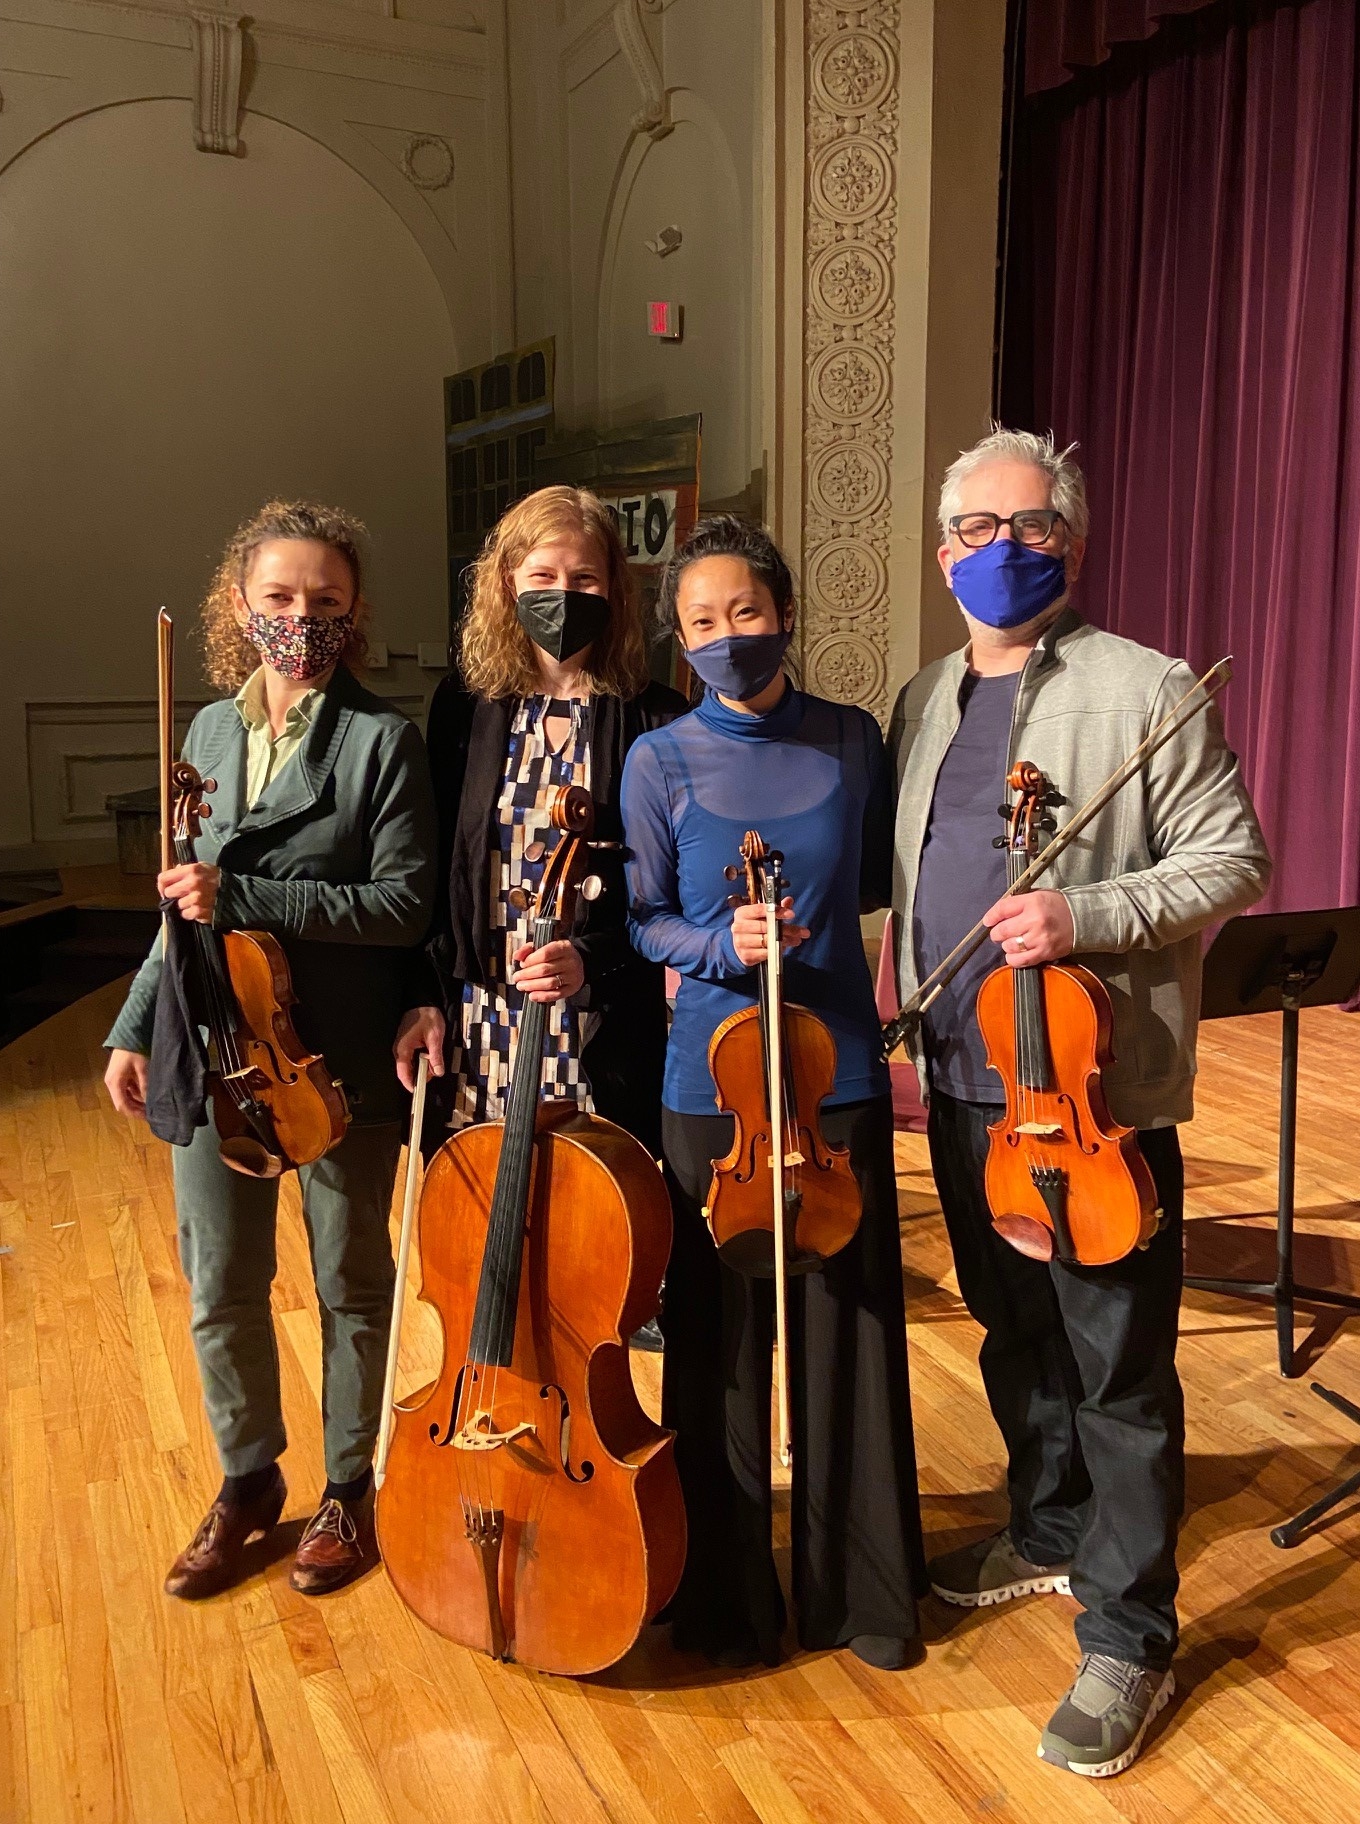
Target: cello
<point>529,1508</point>
<point>784,1200</point>
<point>1064,1180</point>
<point>275,1104</point>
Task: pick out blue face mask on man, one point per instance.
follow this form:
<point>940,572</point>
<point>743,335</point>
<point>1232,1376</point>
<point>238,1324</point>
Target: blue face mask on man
<point>1006,583</point>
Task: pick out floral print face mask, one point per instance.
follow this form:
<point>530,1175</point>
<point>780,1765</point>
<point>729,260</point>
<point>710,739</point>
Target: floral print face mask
<point>298,646</point>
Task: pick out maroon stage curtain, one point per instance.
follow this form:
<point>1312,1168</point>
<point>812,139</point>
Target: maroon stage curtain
<point>1066,35</point>
<point>1196,326</point>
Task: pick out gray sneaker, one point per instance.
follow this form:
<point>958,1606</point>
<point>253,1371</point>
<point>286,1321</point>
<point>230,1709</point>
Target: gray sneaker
<point>990,1571</point>
<point>1098,1728</point>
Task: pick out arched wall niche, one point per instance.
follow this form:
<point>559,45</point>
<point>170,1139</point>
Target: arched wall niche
<point>687,177</point>
<point>182,337</point>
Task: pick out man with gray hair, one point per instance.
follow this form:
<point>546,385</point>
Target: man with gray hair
<point>1078,1362</point>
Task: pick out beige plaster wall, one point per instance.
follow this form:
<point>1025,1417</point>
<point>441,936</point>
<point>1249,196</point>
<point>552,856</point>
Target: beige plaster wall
<point>628,116</point>
<point>184,334</point>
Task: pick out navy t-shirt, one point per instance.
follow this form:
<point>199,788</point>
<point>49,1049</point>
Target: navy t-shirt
<point>961,874</point>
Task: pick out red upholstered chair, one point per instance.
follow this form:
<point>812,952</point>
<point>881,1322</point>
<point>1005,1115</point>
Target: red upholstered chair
<point>909,1115</point>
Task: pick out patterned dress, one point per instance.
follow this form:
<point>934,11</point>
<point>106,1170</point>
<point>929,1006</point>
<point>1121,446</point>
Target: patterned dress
<point>482,1060</point>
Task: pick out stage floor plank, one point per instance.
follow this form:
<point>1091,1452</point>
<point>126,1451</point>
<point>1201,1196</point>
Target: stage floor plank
<point>116,1703</point>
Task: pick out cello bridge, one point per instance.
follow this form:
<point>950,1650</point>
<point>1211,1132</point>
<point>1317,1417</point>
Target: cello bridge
<point>479,1433</point>
<point>1041,1130</point>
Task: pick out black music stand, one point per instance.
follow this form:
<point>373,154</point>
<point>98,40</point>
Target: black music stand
<point>1280,962</point>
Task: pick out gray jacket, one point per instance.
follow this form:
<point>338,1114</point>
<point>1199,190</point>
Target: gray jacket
<point>337,859</point>
<point>1178,849</point>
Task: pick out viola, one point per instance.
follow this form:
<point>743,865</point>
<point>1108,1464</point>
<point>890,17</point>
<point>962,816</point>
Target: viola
<point>528,1507</point>
<point>275,1104</point>
<point>1064,1180</point>
<point>783,1200</point>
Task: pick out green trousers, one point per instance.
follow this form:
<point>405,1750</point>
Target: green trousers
<point>227,1249</point>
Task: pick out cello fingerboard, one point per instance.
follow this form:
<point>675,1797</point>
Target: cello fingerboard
<point>492,1339</point>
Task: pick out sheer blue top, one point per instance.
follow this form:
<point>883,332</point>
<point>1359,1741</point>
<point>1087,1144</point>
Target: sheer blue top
<point>812,777</point>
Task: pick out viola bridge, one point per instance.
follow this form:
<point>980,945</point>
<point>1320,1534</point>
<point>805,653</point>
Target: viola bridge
<point>479,1433</point>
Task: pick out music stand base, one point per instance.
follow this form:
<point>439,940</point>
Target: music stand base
<point>1284,1299</point>
<point>1292,1531</point>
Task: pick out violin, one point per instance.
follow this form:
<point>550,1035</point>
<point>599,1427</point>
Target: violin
<point>1064,1180</point>
<point>528,1507</point>
<point>274,1102</point>
<point>784,1200</point>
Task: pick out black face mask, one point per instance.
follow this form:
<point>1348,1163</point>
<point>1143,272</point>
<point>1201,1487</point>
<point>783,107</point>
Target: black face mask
<point>562,621</point>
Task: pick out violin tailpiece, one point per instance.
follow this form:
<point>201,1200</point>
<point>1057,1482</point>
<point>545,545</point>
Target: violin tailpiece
<point>485,1530</point>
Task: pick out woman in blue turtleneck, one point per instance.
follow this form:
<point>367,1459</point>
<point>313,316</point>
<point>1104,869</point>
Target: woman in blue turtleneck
<point>812,778</point>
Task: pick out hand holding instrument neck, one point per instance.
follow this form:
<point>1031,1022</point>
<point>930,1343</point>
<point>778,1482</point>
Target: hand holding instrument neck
<point>784,1199</point>
<point>1196,699</point>
<point>1063,1179</point>
<point>274,1102</point>
<point>528,1507</point>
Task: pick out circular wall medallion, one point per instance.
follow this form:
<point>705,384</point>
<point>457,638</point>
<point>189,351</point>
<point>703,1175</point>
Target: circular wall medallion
<point>852,72</point>
<point>850,381</point>
<point>849,281</point>
<point>849,480</point>
<point>848,669</point>
<point>428,161</point>
<point>847,575</point>
<point>851,178</point>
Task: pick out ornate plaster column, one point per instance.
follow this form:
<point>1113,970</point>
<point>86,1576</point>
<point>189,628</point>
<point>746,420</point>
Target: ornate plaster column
<point>883,127</point>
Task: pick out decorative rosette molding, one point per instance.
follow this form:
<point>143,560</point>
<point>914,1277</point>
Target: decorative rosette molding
<point>850,234</point>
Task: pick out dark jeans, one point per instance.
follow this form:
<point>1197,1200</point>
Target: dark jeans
<point>1079,1364</point>
<point>858,1559</point>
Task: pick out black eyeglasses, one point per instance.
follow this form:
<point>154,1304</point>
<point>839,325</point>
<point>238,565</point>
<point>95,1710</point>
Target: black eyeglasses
<point>1032,527</point>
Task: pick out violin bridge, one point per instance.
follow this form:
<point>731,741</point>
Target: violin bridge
<point>485,1529</point>
<point>794,1158</point>
<point>480,1433</point>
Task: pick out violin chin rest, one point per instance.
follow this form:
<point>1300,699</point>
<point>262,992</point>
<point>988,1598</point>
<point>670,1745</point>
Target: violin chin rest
<point>1025,1235</point>
<point>250,1157</point>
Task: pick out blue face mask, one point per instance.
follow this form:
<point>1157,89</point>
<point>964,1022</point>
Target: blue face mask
<point>1007,583</point>
<point>739,665</point>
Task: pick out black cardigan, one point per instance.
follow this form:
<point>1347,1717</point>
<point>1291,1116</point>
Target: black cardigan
<point>624,1022</point>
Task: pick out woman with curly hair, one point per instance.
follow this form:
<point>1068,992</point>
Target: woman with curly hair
<point>322,832</point>
<point>554,690</point>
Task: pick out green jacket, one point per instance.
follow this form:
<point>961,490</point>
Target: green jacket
<point>336,859</point>
<point>1177,850</point>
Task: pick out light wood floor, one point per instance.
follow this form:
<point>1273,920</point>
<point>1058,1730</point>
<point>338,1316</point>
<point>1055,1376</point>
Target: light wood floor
<point>116,1703</point>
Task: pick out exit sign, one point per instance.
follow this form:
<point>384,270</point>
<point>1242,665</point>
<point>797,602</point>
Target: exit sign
<point>665,320</point>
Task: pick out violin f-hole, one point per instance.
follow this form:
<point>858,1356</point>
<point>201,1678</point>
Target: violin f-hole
<point>451,1429</point>
<point>564,1434</point>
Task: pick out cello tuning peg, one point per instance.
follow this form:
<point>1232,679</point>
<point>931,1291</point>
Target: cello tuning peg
<point>730,873</point>
<point>210,785</point>
<point>518,898</point>
<point>591,887</point>
<point>205,810</point>
<point>535,852</point>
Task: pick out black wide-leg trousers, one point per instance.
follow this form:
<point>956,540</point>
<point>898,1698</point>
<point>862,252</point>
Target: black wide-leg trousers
<point>858,1562</point>
<point>1079,1364</point>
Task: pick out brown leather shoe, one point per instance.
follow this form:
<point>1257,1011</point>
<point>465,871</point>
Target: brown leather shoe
<point>335,1546</point>
<point>212,1559</point>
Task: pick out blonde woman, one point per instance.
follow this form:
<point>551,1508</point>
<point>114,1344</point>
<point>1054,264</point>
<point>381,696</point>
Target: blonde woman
<point>554,689</point>
<point>322,832</point>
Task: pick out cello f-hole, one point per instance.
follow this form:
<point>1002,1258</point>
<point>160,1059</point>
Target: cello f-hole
<point>563,1451</point>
